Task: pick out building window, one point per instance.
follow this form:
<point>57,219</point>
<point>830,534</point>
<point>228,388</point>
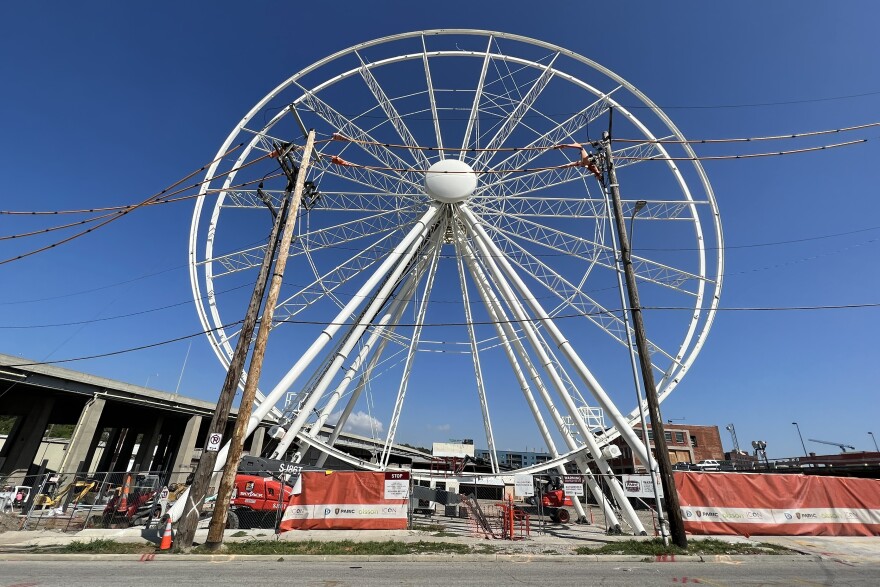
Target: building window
<point>694,441</point>
<point>667,436</point>
<point>650,435</point>
<point>679,438</point>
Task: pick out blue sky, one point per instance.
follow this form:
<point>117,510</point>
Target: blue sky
<point>107,103</point>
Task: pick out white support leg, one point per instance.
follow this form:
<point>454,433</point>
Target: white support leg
<point>509,340</point>
<point>478,371</point>
<point>620,422</point>
<point>402,260</point>
<point>489,255</point>
<point>392,316</point>
<point>416,232</point>
<point>400,305</point>
<point>411,354</point>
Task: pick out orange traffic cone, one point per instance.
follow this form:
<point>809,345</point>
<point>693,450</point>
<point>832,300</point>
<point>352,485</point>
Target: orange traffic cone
<point>166,538</point>
<point>123,502</point>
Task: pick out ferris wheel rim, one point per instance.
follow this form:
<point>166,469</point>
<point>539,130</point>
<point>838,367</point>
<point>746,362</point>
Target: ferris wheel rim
<point>220,344</point>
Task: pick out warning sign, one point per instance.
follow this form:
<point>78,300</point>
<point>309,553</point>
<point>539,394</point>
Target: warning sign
<point>573,484</point>
<point>523,486</point>
<point>214,441</point>
<point>396,485</point>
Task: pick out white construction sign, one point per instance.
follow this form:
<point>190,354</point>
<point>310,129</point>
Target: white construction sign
<point>573,484</point>
<point>523,486</point>
<point>640,486</point>
<point>396,485</point>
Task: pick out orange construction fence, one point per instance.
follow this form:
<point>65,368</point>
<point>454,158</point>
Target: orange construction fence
<point>349,500</point>
<point>750,504</point>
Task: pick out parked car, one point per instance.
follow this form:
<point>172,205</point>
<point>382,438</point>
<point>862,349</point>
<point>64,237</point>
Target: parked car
<point>709,465</point>
<point>684,466</point>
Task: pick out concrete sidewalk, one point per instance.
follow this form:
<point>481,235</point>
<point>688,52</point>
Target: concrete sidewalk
<point>561,543</point>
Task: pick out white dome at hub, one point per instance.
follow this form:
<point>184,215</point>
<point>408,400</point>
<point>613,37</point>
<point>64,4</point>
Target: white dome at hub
<point>450,181</point>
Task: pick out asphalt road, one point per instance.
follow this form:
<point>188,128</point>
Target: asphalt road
<point>339,574</point>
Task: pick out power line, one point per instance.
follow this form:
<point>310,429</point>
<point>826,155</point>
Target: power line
<point>748,139</point>
<point>449,324</point>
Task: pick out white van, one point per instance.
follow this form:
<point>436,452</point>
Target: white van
<point>709,465</point>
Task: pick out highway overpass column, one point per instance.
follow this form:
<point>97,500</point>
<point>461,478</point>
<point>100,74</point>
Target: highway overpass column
<point>83,435</point>
<point>143,461</point>
<point>182,465</point>
<point>27,436</point>
<point>257,442</point>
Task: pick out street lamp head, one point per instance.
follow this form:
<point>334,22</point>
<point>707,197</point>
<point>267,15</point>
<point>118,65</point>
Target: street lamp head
<point>639,205</point>
<point>794,423</point>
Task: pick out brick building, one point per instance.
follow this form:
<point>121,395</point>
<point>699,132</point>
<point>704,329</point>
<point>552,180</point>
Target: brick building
<point>688,444</point>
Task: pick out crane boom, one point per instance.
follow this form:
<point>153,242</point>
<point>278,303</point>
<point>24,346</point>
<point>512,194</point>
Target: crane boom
<point>842,446</point>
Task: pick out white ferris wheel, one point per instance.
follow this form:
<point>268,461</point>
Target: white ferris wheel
<point>456,270</point>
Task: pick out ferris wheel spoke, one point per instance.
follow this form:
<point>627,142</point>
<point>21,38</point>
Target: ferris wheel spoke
<point>339,234</point>
<point>381,182</point>
<point>326,201</point>
<point>332,280</point>
<point>570,295</point>
<point>354,230</point>
<point>366,142</point>
<point>432,99</point>
<point>559,134</point>
<point>391,112</point>
<point>583,208</point>
<point>528,182</point>
<point>593,252</point>
<point>263,141</point>
<point>639,153</point>
<point>472,118</point>
<point>515,116</point>
<point>537,207</point>
<point>516,353</point>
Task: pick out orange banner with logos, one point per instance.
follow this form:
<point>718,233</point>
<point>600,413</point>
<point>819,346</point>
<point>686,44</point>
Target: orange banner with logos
<point>349,500</point>
<point>750,504</point>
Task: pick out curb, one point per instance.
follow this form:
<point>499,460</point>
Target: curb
<point>509,558</point>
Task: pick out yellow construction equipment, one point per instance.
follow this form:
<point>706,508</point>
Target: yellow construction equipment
<point>81,489</point>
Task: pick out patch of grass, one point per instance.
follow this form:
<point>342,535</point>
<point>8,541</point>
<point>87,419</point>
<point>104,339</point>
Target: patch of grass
<point>340,547</point>
<point>709,546</point>
<point>444,534</point>
<point>485,549</point>
<point>104,546</point>
<point>239,534</point>
<point>429,527</point>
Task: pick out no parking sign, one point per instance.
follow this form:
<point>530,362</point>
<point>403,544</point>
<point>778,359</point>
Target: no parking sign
<point>214,441</point>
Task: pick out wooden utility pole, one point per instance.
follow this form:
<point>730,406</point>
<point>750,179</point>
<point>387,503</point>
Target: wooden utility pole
<point>673,509</point>
<point>188,523</point>
<point>224,493</point>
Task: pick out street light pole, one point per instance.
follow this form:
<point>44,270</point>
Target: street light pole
<point>875,441</point>
<point>802,439</point>
<point>673,509</point>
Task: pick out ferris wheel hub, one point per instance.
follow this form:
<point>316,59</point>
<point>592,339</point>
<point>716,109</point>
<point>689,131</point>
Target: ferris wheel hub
<point>450,181</point>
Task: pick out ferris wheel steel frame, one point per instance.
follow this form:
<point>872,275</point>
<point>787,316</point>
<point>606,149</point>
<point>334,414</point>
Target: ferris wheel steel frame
<point>491,232</point>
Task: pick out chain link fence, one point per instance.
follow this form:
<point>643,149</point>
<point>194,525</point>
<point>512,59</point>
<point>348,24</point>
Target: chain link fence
<point>488,506</point>
<point>495,507</point>
<point>75,501</point>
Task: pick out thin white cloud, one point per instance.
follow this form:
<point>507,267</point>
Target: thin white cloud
<point>359,422</point>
